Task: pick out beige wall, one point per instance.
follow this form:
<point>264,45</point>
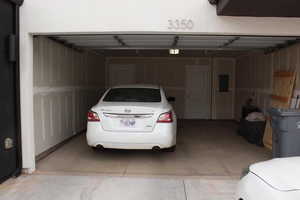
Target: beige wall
<point>223,102</point>
<point>66,84</point>
<point>254,75</point>
<point>165,71</point>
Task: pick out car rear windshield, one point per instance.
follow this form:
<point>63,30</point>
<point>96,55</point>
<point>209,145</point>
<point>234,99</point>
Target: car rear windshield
<point>133,95</point>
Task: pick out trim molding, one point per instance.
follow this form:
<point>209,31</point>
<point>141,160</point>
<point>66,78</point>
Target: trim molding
<point>17,2</point>
<point>47,90</point>
<point>57,146</point>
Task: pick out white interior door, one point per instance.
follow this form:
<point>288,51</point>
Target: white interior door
<point>223,88</point>
<point>198,92</point>
<point>122,74</point>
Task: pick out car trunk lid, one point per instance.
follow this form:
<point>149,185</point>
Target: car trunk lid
<point>129,117</point>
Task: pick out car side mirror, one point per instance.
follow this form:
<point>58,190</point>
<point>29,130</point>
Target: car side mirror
<point>171,99</point>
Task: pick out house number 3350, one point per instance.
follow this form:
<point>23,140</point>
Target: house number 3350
<point>180,24</point>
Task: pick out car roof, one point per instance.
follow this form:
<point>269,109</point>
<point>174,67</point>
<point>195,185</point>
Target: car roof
<point>138,86</point>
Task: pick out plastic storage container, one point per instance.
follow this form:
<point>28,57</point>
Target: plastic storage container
<point>286,132</point>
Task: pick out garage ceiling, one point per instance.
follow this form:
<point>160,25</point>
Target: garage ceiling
<point>184,42</point>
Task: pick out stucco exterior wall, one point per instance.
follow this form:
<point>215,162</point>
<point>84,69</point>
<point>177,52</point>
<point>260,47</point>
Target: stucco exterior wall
<point>98,16</point>
<point>115,16</point>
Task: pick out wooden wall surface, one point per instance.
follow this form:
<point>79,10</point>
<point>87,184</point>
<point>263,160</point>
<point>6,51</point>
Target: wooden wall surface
<point>66,84</point>
<point>254,74</point>
<point>168,72</point>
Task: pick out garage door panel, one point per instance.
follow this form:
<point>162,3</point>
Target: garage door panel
<point>198,92</point>
<point>223,101</point>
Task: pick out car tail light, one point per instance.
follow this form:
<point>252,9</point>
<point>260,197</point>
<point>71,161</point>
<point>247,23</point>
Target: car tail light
<point>93,117</point>
<point>165,117</point>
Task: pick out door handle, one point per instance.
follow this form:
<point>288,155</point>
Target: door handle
<point>8,143</point>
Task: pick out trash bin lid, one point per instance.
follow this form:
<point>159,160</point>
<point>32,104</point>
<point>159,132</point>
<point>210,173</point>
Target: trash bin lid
<point>285,112</point>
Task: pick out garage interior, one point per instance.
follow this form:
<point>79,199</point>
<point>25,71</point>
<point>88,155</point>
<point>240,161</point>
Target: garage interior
<point>72,71</point>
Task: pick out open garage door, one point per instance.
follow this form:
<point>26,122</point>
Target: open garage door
<point>147,59</point>
<point>72,71</point>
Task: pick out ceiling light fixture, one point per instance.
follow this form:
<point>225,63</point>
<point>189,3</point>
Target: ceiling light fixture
<point>174,51</point>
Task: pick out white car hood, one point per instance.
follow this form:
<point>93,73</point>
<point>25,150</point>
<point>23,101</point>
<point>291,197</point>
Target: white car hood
<point>282,173</point>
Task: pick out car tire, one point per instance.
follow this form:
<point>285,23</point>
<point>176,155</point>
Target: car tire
<point>97,149</point>
<point>171,149</point>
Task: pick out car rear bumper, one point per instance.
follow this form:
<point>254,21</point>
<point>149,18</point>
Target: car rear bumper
<point>163,136</point>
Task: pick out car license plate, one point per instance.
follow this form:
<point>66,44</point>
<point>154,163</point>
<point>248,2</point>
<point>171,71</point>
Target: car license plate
<point>128,122</point>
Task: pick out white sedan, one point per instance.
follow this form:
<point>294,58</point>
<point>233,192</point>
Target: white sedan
<point>133,117</point>
<point>277,179</point>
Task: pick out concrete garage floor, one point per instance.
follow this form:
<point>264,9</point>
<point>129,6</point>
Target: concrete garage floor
<point>206,166</point>
<point>204,148</point>
<point>65,187</point>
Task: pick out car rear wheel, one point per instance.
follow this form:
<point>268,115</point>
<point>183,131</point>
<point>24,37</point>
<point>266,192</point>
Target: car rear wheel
<point>98,148</point>
<point>171,149</point>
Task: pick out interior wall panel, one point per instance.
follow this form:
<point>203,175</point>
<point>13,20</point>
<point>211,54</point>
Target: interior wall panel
<point>164,71</point>
<point>66,84</point>
<point>223,102</point>
<point>168,72</point>
<point>254,79</point>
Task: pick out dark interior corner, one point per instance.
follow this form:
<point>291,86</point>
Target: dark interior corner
<point>258,8</point>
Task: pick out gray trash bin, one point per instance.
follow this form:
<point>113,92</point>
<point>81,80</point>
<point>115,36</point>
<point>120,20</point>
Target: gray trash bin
<point>286,132</point>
